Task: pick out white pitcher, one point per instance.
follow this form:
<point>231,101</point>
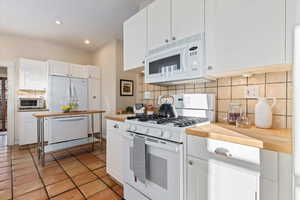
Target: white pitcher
<point>263,112</point>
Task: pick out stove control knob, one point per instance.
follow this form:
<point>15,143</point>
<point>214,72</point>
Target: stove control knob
<point>167,134</point>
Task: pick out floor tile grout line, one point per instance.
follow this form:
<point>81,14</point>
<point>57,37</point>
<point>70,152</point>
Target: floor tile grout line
<point>35,164</point>
<point>100,177</point>
<point>69,178</point>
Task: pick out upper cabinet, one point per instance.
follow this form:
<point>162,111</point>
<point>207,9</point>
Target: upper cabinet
<point>79,71</point>
<point>135,40</point>
<point>187,18</point>
<point>32,75</point>
<point>159,23</point>
<point>290,29</point>
<point>58,68</point>
<point>171,20</point>
<point>242,34</point>
<point>94,72</point>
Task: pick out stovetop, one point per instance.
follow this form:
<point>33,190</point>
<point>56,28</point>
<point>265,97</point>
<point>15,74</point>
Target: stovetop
<point>180,121</point>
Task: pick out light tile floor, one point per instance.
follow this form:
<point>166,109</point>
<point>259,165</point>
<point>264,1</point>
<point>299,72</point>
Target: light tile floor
<point>73,174</point>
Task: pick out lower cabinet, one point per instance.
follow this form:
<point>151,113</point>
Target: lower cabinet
<point>27,128</point>
<point>218,170</point>
<point>216,181</point>
<point>114,149</point>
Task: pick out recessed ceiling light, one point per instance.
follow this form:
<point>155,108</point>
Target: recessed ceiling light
<point>87,42</point>
<point>58,22</point>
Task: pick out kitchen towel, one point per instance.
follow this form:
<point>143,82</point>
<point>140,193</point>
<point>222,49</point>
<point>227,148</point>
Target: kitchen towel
<point>139,158</point>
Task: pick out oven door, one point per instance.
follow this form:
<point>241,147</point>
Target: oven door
<point>165,66</point>
<point>164,168</point>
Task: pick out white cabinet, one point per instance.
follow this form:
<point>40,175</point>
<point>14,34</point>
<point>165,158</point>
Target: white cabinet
<point>27,128</point>
<point>94,72</point>
<point>187,18</point>
<point>58,68</point>
<point>216,180</point>
<point>171,20</point>
<point>159,23</point>
<point>114,149</point>
<point>291,6</point>
<point>242,34</point>
<point>94,102</point>
<point>32,75</point>
<point>79,71</point>
<point>135,40</point>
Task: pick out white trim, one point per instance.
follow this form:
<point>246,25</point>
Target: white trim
<point>10,101</point>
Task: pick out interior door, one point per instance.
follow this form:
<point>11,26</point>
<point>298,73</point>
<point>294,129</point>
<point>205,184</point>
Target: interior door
<point>95,102</point>
<point>159,23</point>
<point>243,33</point>
<point>187,18</point>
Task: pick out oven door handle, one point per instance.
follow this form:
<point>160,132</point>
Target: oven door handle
<point>156,143</point>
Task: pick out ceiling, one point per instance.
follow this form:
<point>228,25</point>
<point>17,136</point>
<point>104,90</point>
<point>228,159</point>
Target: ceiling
<point>96,20</point>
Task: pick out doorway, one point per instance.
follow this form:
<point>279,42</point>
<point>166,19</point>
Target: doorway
<point>3,106</point>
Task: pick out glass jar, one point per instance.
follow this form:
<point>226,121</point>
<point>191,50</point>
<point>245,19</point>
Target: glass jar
<point>234,112</point>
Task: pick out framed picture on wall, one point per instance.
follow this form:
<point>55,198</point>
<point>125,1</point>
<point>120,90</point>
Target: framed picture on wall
<point>126,87</point>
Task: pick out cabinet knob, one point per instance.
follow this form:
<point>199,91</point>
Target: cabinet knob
<point>143,62</point>
<point>94,97</point>
<point>191,162</point>
<point>116,126</point>
<point>173,38</point>
<point>166,40</point>
<point>210,67</point>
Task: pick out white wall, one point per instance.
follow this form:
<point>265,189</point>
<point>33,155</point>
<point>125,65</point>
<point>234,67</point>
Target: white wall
<point>124,101</point>
<point>13,47</point>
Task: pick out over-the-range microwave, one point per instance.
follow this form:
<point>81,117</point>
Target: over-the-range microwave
<point>179,61</point>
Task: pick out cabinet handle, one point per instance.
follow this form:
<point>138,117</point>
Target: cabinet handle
<point>191,162</point>
<point>166,40</point>
<point>174,38</point>
<point>210,67</point>
<point>223,152</point>
<point>116,126</point>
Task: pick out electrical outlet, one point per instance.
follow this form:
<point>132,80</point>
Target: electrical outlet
<point>251,92</point>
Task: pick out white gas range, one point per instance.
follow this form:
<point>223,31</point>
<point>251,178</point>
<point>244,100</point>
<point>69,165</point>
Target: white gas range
<point>154,151</point>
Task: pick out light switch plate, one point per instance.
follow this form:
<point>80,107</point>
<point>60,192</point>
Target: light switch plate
<point>251,92</point>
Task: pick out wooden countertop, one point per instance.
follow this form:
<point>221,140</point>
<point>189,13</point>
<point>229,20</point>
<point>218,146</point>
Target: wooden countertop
<point>279,140</point>
<point>119,117</point>
<point>61,114</point>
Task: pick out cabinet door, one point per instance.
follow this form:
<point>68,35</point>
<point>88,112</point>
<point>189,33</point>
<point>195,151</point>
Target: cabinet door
<point>114,149</point>
<point>187,18</point>
<point>95,102</point>
<point>243,33</point>
<point>58,68</point>
<point>159,23</point>
<point>291,6</point>
<point>32,75</point>
<point>94,72</point>
<point>231,183</point>
<point>78,71</point>
<point>197,179</point>
<point>135,40</point>
<point>215,181</point>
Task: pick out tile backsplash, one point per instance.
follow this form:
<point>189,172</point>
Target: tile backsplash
<point>232,89</point>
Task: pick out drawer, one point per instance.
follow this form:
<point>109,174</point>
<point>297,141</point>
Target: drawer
<point>204,148</point>
<point>112,125</point>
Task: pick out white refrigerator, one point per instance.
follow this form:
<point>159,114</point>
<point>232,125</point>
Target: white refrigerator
<point>62,91</point>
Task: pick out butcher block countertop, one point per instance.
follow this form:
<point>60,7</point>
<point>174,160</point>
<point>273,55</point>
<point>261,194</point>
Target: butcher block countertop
<point>279,140</point>
<point>119,117</point>
<point>61,114</point>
